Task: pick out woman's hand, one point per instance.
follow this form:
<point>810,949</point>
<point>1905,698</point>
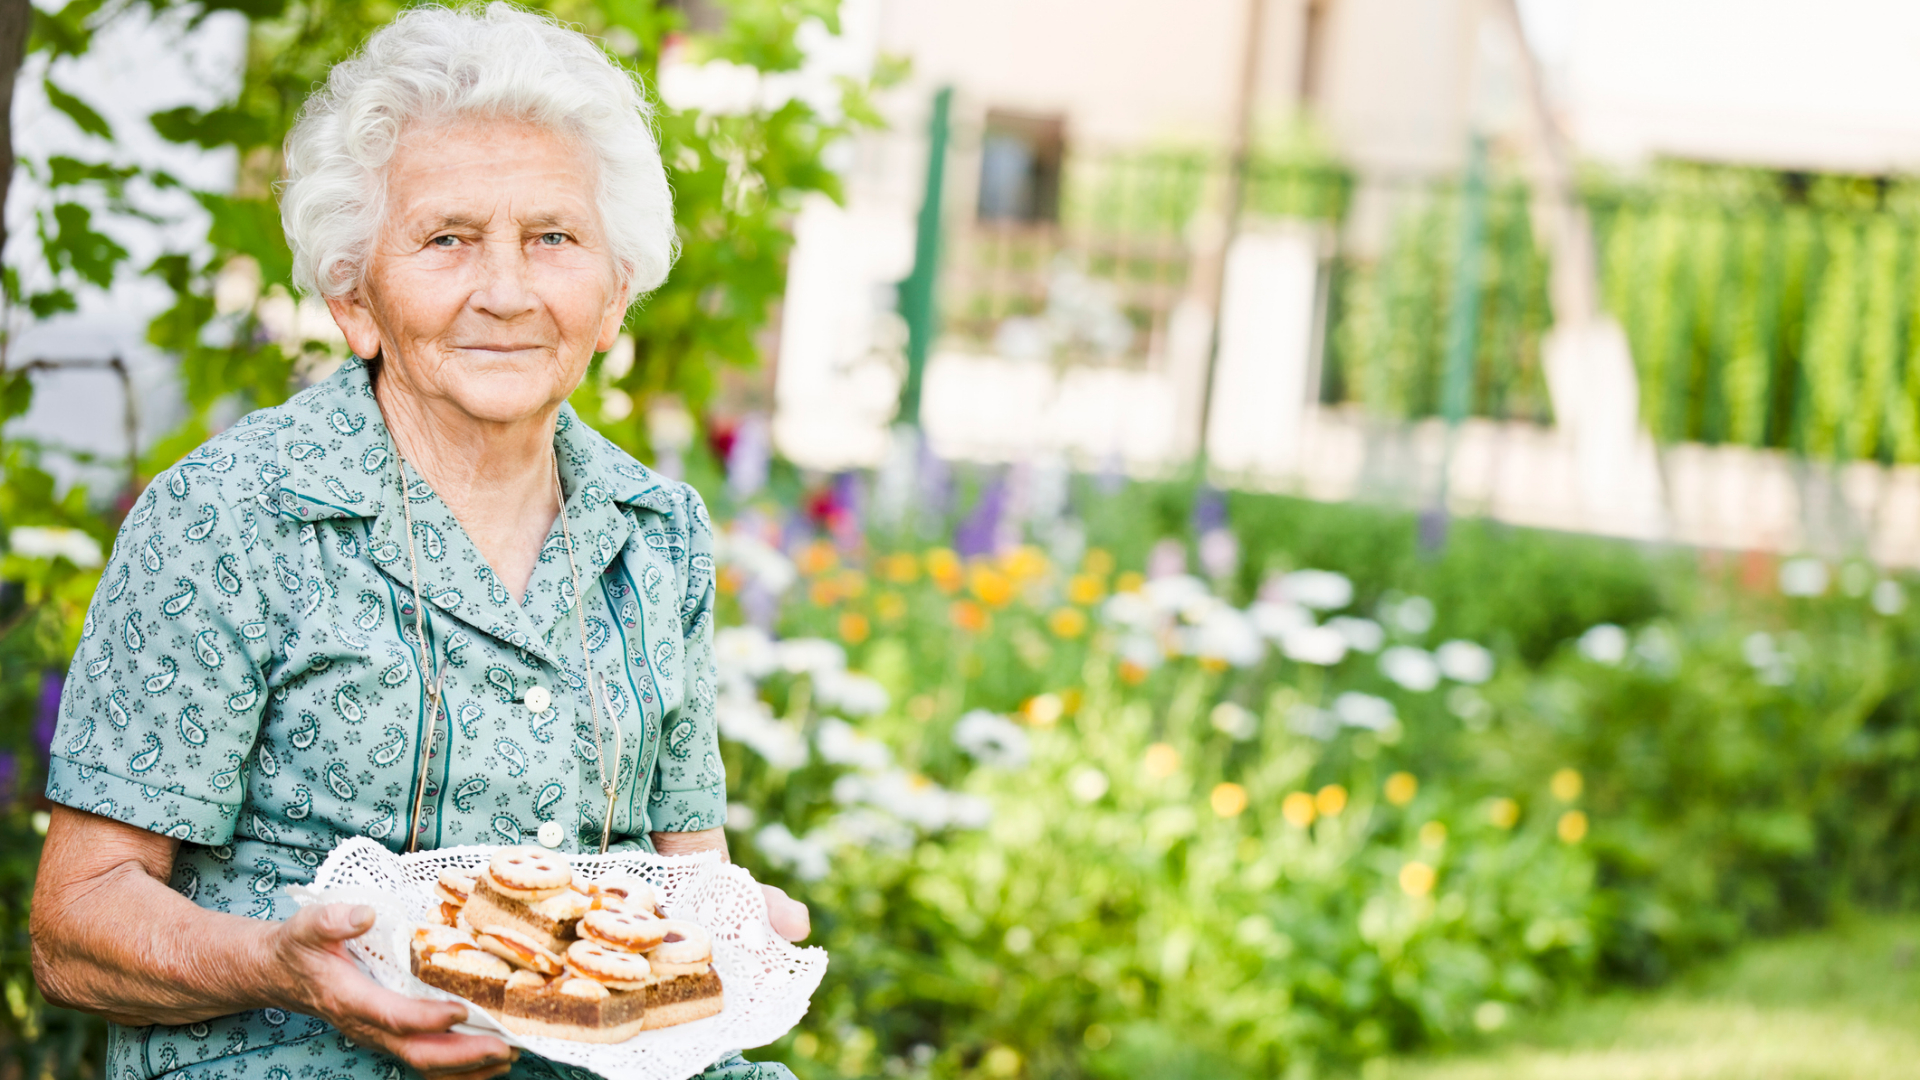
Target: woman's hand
<point>789,916</point>
<point>319,979</point>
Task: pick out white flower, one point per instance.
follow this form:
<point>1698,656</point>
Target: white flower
<point>1320,645</point>
<point>1364,711</point>
<point>1312,722</point>
<point>49,542</point>
<point>1141,649</point>
<point>1277,619</point>
<point>741,817</point>
<point>744,655</point>
<point>1219,552</point>
<point>1131,610</point>
<point>991,739</point>
<point>1363,635</point>
<point>914,799</point>
<point>1412,668</point>
<point>1087,783</point>
<point>807,858</point>
<point>1803,577</point>
<point>1889,598</point>
<point>1604,644</point>
<point>1464,661</point>
<point>862,827</point>
<point>840,744</point>
<point>811,656</point>
<point>1177,594</point>
<point>1235,721</point>
<point>1658,649</point>
<point>749,722</point>
<point>1414,615</point>
<point>851,693</point>
<point>1773,665</point>
<point>1228,636</point>
<point>761,562</point>
<point>1321,590</point>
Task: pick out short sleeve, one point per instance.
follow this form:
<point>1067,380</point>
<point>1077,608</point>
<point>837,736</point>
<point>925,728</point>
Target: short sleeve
<point>690,783</point>
<point>164,700</point>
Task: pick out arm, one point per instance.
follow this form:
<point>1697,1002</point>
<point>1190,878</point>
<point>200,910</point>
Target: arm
<point>109,937</point>
<point>789,916</point>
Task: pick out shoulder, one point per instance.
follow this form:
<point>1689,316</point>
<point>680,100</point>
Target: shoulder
<point>674,505</point>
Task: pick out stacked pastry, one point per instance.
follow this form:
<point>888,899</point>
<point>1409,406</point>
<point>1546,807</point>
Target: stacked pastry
<point>552,954</point>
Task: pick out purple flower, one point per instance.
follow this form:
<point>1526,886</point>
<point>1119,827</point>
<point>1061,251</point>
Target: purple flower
<point>46,715</point>
<point>749,456</point>
<point>977,535</point>
<point>9,779</point>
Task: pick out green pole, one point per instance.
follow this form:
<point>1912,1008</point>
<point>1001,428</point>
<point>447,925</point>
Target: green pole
<point>1463,322</point>
<point>916,292</point>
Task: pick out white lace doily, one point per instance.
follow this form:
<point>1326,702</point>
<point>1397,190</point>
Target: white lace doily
<point>767,981</point>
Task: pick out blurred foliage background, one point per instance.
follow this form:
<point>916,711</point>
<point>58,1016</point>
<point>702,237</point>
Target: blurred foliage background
<point>1171,782</point>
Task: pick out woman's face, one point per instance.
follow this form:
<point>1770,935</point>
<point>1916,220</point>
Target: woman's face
<point>491,284</point>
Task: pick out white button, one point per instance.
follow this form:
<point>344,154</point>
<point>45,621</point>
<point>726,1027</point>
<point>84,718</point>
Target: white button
<point>538,700</point>
<point>551,833</point>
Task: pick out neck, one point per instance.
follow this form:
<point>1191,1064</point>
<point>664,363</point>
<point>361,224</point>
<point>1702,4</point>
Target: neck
<point>496,477</point>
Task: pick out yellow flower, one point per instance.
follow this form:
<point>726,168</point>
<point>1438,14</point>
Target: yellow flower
<point>1162,760</point>
<point>1572,827</point>
<point>1024,563</point>
<point>1330,800</point>
<point>1504,813</point>
<point>990,585</point>
<point>1228,799</point>
<point>969,616</point>
<point>854,627</point>
<point>1070,701</point>
<point>901,567</point>
<point>818,558</point>
<point>1131,581</point>
<point>1401,788</point>
<point>1567,785</point>
<point>1044,710</point>
<point>1067,622</point>
<point>1298,809</point>
<point>852,583</point>
<point>1416,879</point>
<point>890,606</point>
<point>1433,834</point>
<point>1097,562</point>
<point>943,566</point>
<point>1085,589</point>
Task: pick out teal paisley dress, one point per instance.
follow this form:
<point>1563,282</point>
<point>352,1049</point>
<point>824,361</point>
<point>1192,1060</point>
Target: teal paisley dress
<point>249,681</point>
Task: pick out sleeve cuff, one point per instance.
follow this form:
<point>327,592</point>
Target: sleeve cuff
<point>690,810</point>
<point>167,812</point>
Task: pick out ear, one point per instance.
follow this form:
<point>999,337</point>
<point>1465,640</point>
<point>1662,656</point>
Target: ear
<point>356,321</point>
<point>616,314</point>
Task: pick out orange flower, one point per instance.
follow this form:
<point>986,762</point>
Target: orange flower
<point>1131,673</point>
<point>1085,589</point>
<point>854,627</point>
<point>818,558</point>
<point>890,606</point>
<point>901,567</point>
<point>823,593</point>
<point>1228,799</point>
<point>1401,788</point>
<point>1043,710</point>
<point>728,581</point>
<point>1298,809</point>
<point>1067,622</point>
<point>943,566</point>
<point>1330,800</point>
<point>969,616</point>
<point>1161,761</point>
<point>990,585</point>
<point>1097,562</point>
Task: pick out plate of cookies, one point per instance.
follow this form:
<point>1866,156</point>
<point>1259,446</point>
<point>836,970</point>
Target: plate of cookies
<point>630,964</point>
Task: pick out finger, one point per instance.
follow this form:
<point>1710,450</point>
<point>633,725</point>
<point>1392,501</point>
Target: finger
<point>451,1055</point>
<point>397,1014</point>
<point>327,923</point>
<point>789,918</point>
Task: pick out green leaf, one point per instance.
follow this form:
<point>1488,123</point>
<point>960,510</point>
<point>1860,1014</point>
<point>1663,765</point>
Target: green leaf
<point>76,246</point>
<point>16,394</point>
<point>78,111</point>
<point>227,126</point>
<point>48,304</point>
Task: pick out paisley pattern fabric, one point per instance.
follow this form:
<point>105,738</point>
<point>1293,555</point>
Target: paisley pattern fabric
<point>249,679</point>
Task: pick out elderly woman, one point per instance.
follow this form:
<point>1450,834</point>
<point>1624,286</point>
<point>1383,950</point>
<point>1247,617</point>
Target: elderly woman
<point>479,199</point>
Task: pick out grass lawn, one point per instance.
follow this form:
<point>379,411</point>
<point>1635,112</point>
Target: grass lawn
<point>1843,1004</point>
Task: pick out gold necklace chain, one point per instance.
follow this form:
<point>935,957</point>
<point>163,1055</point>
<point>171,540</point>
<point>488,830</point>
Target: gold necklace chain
<point>432,673</point>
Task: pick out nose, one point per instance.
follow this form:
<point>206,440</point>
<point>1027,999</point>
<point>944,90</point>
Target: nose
<point>502,290</point>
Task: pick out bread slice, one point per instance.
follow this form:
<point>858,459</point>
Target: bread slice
<point>610,1017</point>
<point>462,969</point>
<point>676,995</point>
<point>550,922</point>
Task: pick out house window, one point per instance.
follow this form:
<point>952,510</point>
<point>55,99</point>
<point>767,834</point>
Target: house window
<point>1020,167</point>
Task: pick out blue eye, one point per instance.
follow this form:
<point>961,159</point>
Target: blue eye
<point>444,241</point>
<point>553,239</point>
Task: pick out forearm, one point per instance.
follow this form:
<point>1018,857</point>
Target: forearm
<point>131,949</point>
<point>687,843</point>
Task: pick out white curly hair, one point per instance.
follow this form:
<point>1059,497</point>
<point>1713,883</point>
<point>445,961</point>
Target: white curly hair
<point>433,65</point>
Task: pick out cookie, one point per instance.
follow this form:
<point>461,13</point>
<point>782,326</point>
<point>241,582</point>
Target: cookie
<point>623,931</point>
<point>454,887</point>
<point>529,874</point>
<point>517,949</point>
<point>682,942</point>
<point>609,967</point>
